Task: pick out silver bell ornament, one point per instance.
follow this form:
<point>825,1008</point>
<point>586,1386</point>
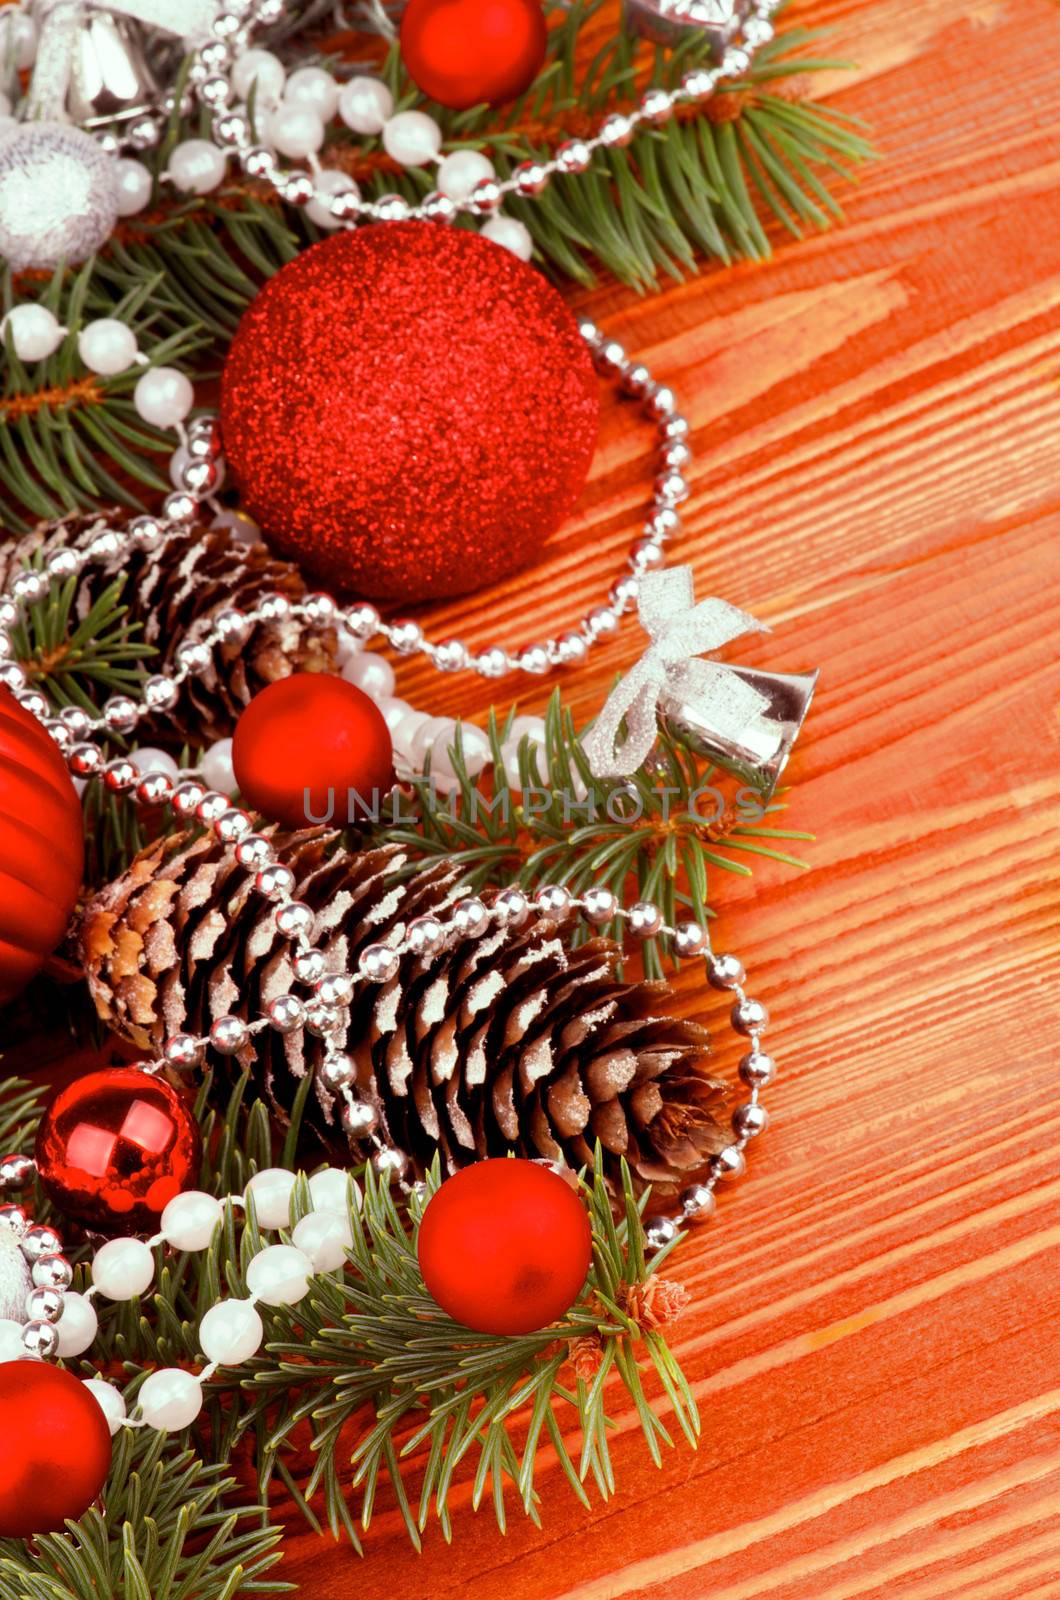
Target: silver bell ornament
<point>58,195</point>
<point>744,720</point>
<point>756,752</point>
<point>670,22</point>
<point>110,80</point>
<point>91,62</point>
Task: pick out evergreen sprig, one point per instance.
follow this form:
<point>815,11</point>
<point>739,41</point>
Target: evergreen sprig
<point>77,660</point>
<point>184,272</point>
<point>697,184</point>
<point>20,1109</point>
<point>173,1530</point>
<point>369,1350</point>
<point>70,438</point>
<point>653,836</point>
<point>372,1352</point>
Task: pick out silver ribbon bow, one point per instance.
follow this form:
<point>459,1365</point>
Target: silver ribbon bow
<point>62,22</point>
<point>680,632</point>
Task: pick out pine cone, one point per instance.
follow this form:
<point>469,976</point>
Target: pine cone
<point>174,592</point>
<point>513,1041</point>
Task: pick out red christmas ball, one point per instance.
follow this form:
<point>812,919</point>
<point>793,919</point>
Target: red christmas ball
<point>313,748</point>
<point>56,1452</point>
<point>41,845</point>
<point>409,411</point>
<point>114,1147</point>
<point>466,52</point>
<point>504,1246</point>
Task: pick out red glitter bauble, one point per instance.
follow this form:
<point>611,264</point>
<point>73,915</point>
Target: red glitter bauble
<point>313,748</point>
<point>504,1246</point>
<point>466,52</point>
<point>409,410</point>
<point>41,847</point>
<point>114,1147</point>
<point>56,1450</point>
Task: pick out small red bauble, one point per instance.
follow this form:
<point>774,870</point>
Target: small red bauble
<point>504,1246</point>
<point>313,748</point>
<point>41,845</point>
<point>114,1147</point>
<point>466,52</point>
<point>56,1450</point>
<point>409,411</point>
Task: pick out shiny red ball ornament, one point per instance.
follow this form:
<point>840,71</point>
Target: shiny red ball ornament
<point>41,845</point>
<point>312,749</point>
<point>409,411</point>
<point>56,1448</point>
<point>114,1147</point>
<point>504,1246</point>
<point>469,52</point>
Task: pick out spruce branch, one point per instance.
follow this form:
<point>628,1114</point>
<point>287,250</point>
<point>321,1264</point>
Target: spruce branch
<point>653,836</point>
<point>386,1386</point>
<point>368,1369</point>
<point>77,660</point>
<point>171,1532</point>
<point>69,438</point>
<point>20,1109</point>
<point>184,272</point>
<point>411,1383</point>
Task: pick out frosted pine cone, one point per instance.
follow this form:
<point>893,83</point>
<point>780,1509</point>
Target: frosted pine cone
<point>173,592</point>
<point>513,1041</point>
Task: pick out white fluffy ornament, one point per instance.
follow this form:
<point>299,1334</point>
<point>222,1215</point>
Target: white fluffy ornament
<point>15,1281</point>
<point>58,195</point>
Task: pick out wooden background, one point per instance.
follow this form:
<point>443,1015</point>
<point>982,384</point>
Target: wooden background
<point>874,1339</point>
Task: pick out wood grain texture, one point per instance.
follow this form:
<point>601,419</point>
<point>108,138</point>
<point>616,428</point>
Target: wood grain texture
<point>876,414</point>
<point>874,1335</point>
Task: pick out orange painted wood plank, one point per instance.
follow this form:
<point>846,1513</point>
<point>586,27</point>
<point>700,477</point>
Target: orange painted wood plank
<point>874,1336</point>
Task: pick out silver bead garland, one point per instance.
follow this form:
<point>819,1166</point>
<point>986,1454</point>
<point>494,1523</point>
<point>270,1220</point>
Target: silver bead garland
<point>124,1268</point>
<point>176,1400</point>
<point>360,620</point>
<point>170,1397</point>
<point>51,1273</point>
<point>75,730</point>
<point>321,1010</point>
<point>340,204</point>
<point>234,28</point>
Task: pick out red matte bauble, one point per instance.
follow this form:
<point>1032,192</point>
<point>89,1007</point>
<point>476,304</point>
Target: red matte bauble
<point>409,411</point>
<point>114,1147</point>
<point>313,748</point>
<point>56,1448</point>
<point>466,52</point>
<point>41,845</point>
<point>504,1246</point>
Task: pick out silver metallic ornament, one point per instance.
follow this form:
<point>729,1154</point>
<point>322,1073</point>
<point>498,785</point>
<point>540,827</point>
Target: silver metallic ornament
<point>110,80</point>
<point>759,752</point>
<point>745,721</point>
<point>91,63</point>
<point>671,21</point>
<point>359,1118</point>
<point>58,195</point>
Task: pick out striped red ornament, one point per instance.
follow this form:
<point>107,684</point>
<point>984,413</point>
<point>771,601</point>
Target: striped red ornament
<point>41,846</point>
